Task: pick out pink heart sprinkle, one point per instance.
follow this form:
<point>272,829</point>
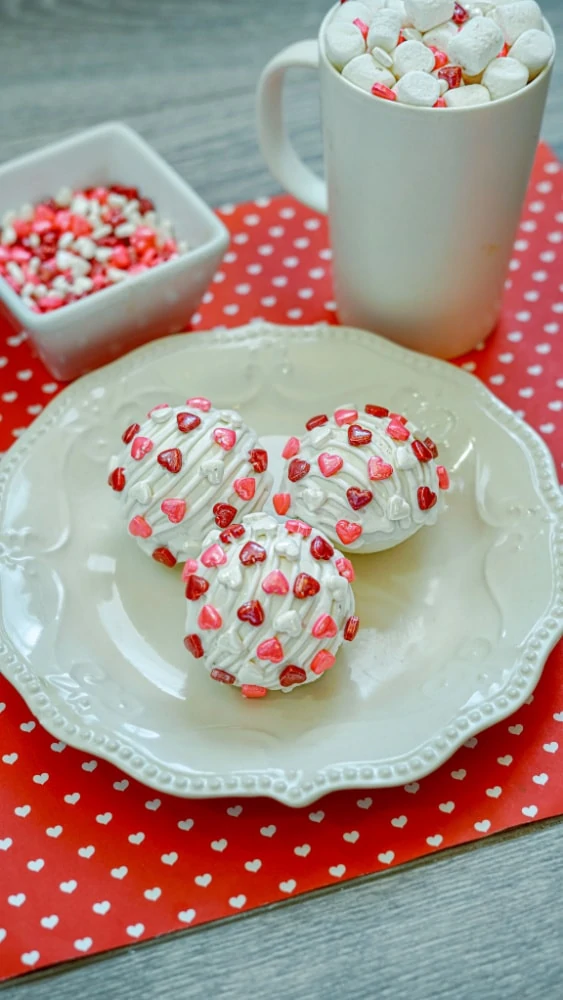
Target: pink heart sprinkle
<point>291,448</point>
<point>275,583</point>
<point>379,469</point>
<point>141,447</point>
<point>322,661</point>
<point>345,417</point>
<point>348,531</point>
<point>345,569</point>
<point>330,464</point>
<point>139,527</point>
<point>246,488</point>
<point>199,403</point>
<point>397,430</point>
<point>191,566</point>
<point>270,650</point>
<point>159,406</point>
<point>282,503</point>
<point>324,625</point>
<point>225,437</point>
<point>209,618</point>
<point>296,527</point>
<point>213,556</point>
<point>175,510</point>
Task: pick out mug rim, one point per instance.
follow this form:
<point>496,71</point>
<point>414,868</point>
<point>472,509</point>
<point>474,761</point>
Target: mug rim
<point>484,108</point>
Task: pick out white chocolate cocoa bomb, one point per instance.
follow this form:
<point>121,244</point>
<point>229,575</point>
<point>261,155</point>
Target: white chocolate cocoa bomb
<point>185,470</point>
<point>367,478</point>
<point>268,605</point>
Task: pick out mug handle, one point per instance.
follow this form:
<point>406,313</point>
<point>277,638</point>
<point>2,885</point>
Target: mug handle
<point>275,144</point>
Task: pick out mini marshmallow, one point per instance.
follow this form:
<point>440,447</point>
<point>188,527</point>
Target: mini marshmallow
<point>534,49</point>
<point>385,30</point>
<point>418,89</point>
<point>349,11</point>
<point>363,71</point>
<point>467,97</point>
<point>427,14</point>
<point>343,42</point>
<point>412,56</point>
<point>372,5</point>
<point>504,76</point>
<point>516,18</point>
<point>441,36</point>
<point>478,42</point>
<point>399,7</point>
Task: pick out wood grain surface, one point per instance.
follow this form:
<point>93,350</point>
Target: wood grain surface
<point>480,923</point>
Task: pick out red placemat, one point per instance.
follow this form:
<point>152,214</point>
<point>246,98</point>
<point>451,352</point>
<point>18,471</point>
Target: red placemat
<point>90,860</point>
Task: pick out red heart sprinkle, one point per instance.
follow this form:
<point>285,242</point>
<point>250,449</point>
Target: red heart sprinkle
<point>195,587</point>
<point>376,411</point>
<point>453,76</point>
<point>325,625</point>
<point>297,527</point>
<point>358,498</point>
<point>345,569</point>
<point>345,416</point>
<point>426,497</point>
<point>129,434</point>
<point>252,553</point>
<point>270,649</point>
<point>209,618</point>
<point>253,691</point>
<point>246,488</point>
<point>235,531</point>
<point>291,448</point>
<point>322,661</point>
<point>141,447</point>
<point>222,676</point>
<point>251,612</point>
<point>164,556</point>
<point>194,646</point>
<point>282,503</point>
<point>139,527</point>
<point>443,478</point>
<point>397,430</point>
<point>291,675</point>
<point>224,514</point>
<point>187,422</point>
<point>213,556</point>
<point>379,469</point>
<point>460,15</point>
<point>330,464</point>
<point>116,480</point>
<point>348,531</point>
<point>358,436</point>
<point>320,548</point>
<point>399,417</point>
<point>297,470</point>
<point>421,451</point>
<point>275,582</point>
<point>174,509</point>
<point>199,403</point>
<point>351,628</point>
<point>225,437</point>
<point>316,421</point>
<point>258,459</point>
<point>305,586</point>
<point>170,459</point>
<point>440,58</point>
<point>433,448</point>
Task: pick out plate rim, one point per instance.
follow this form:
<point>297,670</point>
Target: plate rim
<point>290,787</point>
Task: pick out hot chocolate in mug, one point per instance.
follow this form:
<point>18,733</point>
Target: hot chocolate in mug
<point>423,203</point>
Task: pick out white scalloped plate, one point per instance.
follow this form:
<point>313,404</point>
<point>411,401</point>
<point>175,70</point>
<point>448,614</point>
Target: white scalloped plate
<point>457,622</point>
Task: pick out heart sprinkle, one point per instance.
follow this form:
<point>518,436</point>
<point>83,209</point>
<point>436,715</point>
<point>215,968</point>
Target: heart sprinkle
<point>291,675</point>
<point>282,503</point>
<point>330,464</point>
<point>194,646</point>
<point>175,510</point>
<point>141,447</point>
<point>325,625</point>
<point>224,514</point>
<point>296,527</point>
<point>139,527</point>
<point>426,497</point>
<point>275,582</point>
<point>421,451</point>
<point>245,488</point>
<point>129,434</point>
<point>358,436</point>
<point>209,618</point>
<point>252,612</point>
<point>195,587</point>
<point>199,403</point>
<point>322,661</point>
<point>376,411</point>
<point>187,422</point>
<point>345,416</point>
<point>190,566</point>
<point>397,430</point>
<point>291,448</point>
<point>164,556</point>
<point>116,480</point>
<point>224,437</point>
<point>379,469</point>
<point>213,556</point>
<point>358,498</point>
<point>170,459</point>
<point>348,531</point>
<point>258,459</point>
<point>233,531</point>
<point>316,421</point>
<point>270,649</point>
<point>305,586</point>
<point>443,478</point>
<point>351,628</point>
<point>222,676</point>
<point>252,553</point>
<point>253,691</point>
<point>320,548</point>
<point>345,568</point>
<point>297,470</point>
<point>432,448</point>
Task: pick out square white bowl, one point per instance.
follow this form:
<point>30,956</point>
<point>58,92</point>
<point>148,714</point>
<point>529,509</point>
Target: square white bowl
<point>85,334</point>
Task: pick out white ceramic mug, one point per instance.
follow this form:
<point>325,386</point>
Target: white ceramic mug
<point>423,203</point>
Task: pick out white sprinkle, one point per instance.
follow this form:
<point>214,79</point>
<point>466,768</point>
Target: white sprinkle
<point>116,200</point>
<point>79,204</point>
<point>131,207</point>
<point>28,289</point>
<point>63,197</point>
<point>65,241</point>
<point>124,230</point>
<point>40,291</point>
<point>8,235</point>
<point>149,219</point>
<point>26,212</point>
<point>101,231</point>
<point>60,283</point>
<point>103,254</point>
<point>85,247</point>
<point>15,272</point>
<point>33,265</point>
<point>34,240</point>
<point>115,274</point>
<point>69,261</point>
<point>9,217</point>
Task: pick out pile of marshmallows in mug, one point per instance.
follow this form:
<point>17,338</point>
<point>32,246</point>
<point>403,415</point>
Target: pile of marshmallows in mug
<point>439,53</point>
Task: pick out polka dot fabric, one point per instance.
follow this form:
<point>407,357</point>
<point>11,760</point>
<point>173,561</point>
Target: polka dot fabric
<point>91,860</point>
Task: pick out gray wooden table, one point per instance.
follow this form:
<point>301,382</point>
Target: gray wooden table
<point>483,921</point>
